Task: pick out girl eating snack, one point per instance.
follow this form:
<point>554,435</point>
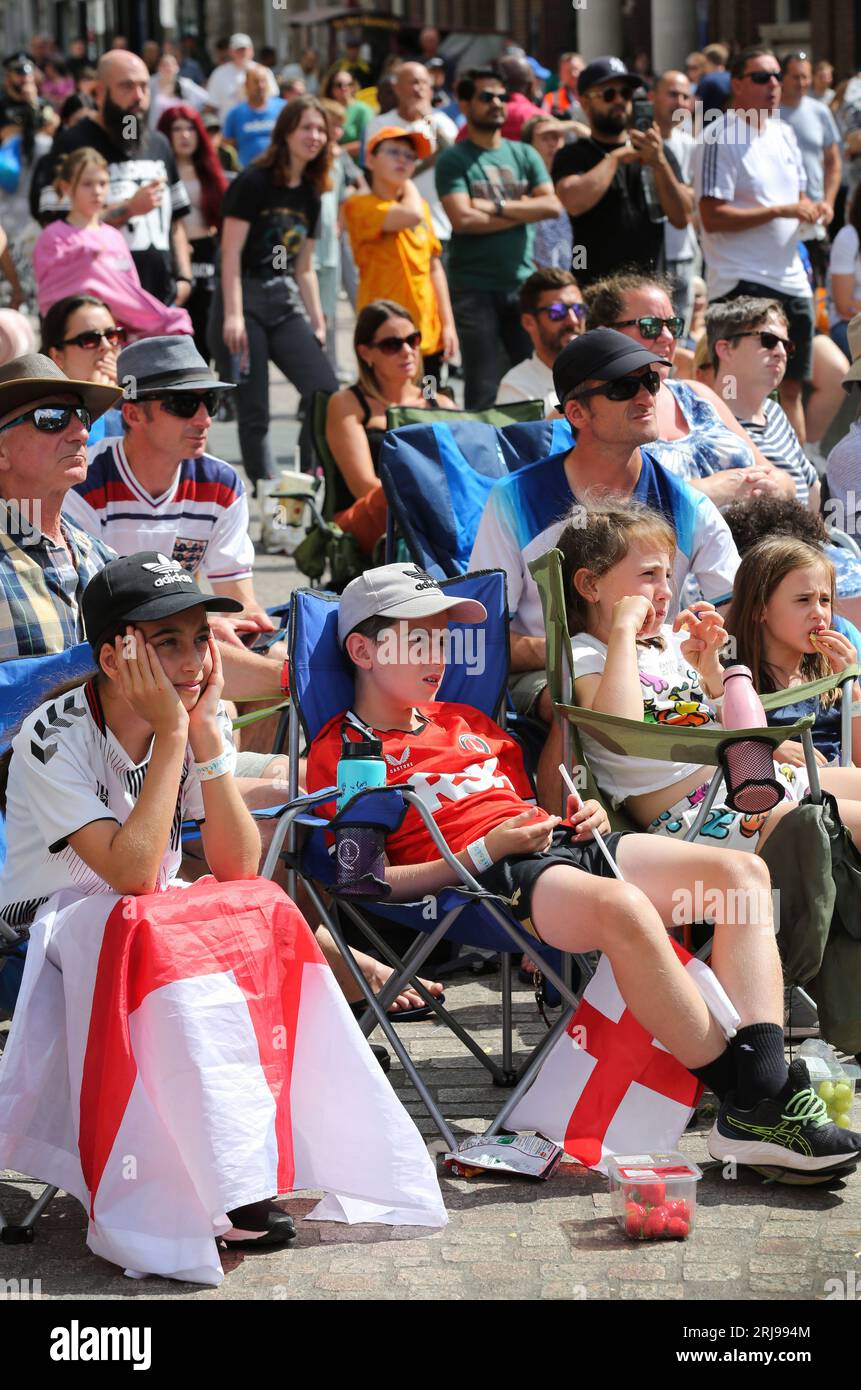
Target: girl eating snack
<point>617,571</point>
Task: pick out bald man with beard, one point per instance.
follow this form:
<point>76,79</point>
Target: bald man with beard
<point>146,198</point>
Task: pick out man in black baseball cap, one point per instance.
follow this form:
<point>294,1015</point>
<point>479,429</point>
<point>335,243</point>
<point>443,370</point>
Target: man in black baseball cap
<point>621,185</point>
<point>608,69</point>
<point>601,355</point>
<point>607,385</point>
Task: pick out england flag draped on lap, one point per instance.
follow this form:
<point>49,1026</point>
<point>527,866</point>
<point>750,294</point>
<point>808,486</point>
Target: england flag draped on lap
<point>175,1056</point>
<point>607,1086</point>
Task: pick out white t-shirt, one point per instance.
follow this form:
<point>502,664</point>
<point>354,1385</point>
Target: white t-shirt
<point>750,166</point>
<point>201,519</point>
<point>843,475</point>
<point>845,260</point>
<point>671,695</point>
<point>530,380</point>
<point>68,770</point>
<point>226,86</point>
<point>680,243</point>
<point>437,123</point>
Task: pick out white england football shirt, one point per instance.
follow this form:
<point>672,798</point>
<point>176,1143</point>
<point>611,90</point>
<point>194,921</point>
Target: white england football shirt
<point>68,770</point>
<point>201,520</point>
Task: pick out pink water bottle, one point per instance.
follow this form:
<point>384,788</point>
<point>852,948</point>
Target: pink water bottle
<point>748,763</point>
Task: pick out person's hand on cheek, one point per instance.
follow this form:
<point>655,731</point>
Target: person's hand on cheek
<point>144,685</point>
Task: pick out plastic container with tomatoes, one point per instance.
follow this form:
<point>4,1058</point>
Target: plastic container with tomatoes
<point>654,1196</point>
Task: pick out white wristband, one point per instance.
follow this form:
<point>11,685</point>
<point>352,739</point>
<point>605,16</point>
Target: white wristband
<point>477,852</point>
<point>217,767</point>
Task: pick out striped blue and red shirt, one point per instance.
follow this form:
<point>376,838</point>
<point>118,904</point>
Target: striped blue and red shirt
<point>201,520</point>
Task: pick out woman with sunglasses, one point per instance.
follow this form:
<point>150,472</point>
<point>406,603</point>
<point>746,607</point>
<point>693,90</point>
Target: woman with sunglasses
<point>387,346</point>
<point>699,438</point>
<point>79,334</point>
<point>84,255</point>
<point>747,344</point>
<point>271,218</point>
<point>341,87</point>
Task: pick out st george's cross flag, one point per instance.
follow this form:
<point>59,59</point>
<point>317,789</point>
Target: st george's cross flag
<point>607,1086</point>
<point>178,1055</point>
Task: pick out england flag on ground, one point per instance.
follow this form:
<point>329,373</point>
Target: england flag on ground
<point>607,1086</point>
<point>175,1056</point>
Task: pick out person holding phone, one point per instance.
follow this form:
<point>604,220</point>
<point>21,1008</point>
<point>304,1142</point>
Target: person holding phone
<point>621,184</point>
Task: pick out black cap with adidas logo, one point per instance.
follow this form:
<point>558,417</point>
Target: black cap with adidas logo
<point>140,588</point>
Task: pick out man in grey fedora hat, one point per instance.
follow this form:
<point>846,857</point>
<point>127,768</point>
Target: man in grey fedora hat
<point>45,561</point>
<point>156,488</point>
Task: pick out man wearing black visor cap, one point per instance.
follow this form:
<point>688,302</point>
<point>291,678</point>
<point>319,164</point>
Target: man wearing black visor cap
<point>606,384</point>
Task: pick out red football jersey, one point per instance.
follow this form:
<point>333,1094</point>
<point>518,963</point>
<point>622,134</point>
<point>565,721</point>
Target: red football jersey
<point>466,770</point>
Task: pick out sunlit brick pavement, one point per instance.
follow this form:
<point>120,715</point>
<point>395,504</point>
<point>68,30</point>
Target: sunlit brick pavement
<point>506,1238</point>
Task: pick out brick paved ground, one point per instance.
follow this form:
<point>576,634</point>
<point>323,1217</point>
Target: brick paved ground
<point>510,1239</point>
<point>506,1238</point>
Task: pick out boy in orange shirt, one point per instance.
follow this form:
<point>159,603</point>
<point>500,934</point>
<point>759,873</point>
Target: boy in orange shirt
<point>395,248</point>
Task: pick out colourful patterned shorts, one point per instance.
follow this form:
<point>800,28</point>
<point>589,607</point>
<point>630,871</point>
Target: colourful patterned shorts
<point>722,825</point>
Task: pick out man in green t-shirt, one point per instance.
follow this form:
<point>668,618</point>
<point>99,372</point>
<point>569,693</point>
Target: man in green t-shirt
<point>492,190</point>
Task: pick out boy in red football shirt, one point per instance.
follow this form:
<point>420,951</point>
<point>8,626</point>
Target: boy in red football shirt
<point>393,624</point>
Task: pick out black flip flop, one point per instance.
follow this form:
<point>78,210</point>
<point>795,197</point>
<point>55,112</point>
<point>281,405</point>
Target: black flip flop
<point>402,1015</point>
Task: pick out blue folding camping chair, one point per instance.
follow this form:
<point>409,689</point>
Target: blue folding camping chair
<point>437,476</point>
<point>24,683</point>
<point>321,687</point>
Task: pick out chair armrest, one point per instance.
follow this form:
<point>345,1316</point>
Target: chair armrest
<point>669,742</point>
<point>791,696</point>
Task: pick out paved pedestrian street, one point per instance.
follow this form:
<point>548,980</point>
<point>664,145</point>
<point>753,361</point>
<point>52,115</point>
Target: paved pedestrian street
<point>507,1238</point>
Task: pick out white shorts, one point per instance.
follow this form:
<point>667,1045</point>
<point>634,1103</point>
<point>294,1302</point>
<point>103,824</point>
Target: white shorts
<point>723,826</point>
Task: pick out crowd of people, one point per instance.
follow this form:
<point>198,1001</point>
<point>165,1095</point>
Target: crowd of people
<point>655,259</point>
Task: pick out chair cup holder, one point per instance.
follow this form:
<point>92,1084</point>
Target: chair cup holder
<point>360,868</point>
<point>748,767</point>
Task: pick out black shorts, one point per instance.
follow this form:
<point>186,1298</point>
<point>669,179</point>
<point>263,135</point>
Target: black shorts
<point>799,313</point>
<point>514,877</point>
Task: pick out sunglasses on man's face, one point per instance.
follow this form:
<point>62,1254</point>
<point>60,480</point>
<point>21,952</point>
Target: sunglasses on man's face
<point>559,310</point>
<point>624,389</point>
<point>94,337</point>
<point>51,419</point>
<point>762,79</point>
<point>614,93</point>
<point>770,341</point>
<point>489,96</point>
<point>186,404</point>
<point>650,326</point>
<point>393,344</point>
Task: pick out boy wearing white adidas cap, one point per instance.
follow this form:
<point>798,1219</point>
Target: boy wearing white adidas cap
<point>469,774</point>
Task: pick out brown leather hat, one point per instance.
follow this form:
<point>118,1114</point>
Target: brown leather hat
<point>34,377</point>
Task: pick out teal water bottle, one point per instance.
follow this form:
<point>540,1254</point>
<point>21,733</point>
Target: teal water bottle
<point>360,849</point>
<point>361,765</point>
